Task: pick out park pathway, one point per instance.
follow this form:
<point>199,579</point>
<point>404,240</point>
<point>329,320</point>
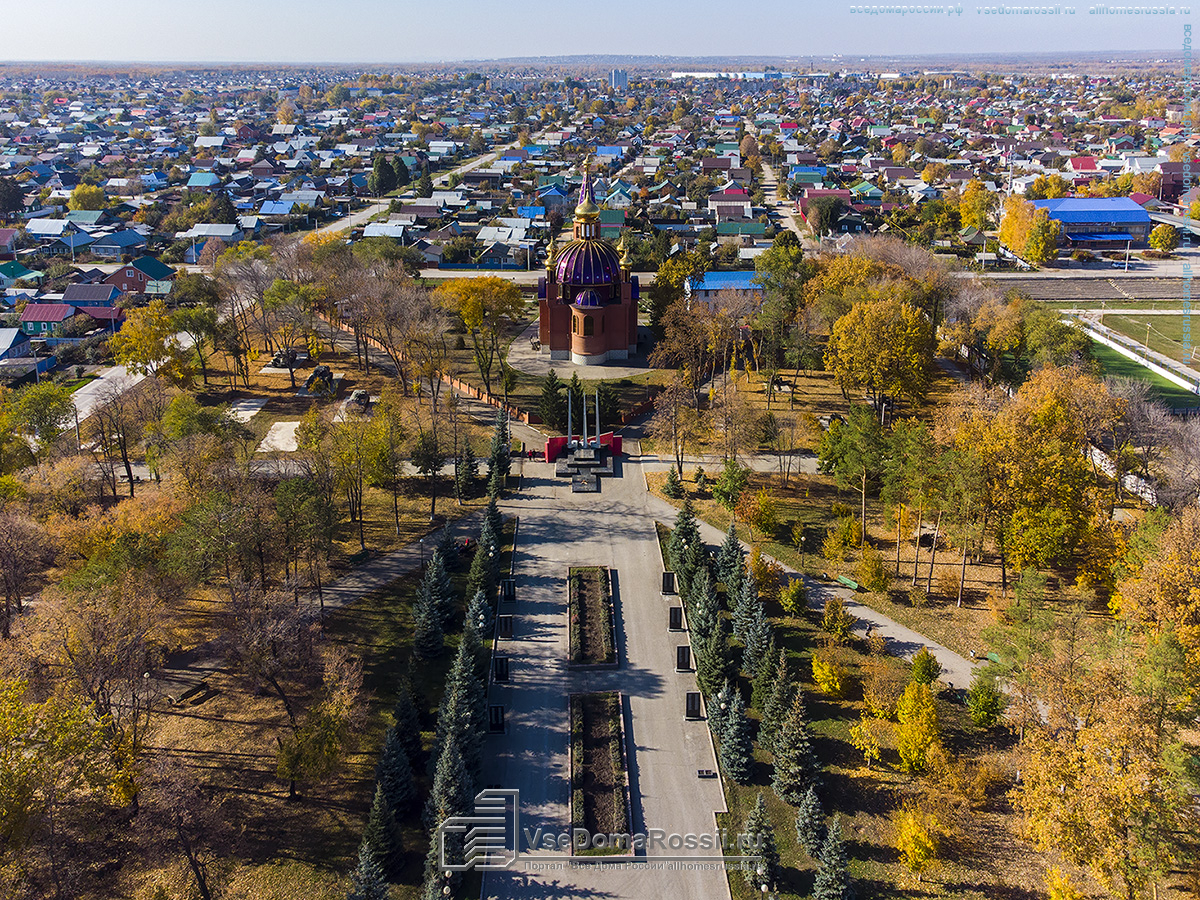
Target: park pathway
<point>957,671</point>
<point>613,528</point>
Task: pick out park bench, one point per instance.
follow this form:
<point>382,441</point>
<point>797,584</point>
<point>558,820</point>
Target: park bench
<point>848,582</point>
<point>188,695</point>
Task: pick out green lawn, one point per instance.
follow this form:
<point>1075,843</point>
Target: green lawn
<point>1163,334</point>
<point>1114,363</point>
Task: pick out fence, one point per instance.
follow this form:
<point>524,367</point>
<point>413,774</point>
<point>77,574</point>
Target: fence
<point>1131,349</point>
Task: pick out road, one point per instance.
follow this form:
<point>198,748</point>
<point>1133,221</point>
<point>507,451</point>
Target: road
<point>781,207</point>
<point>363,216</point>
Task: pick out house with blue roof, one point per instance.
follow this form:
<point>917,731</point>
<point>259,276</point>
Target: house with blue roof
<point>1098,223</point>
<point>717,289</point>
<point>203,181</point>
<point>119,244</point>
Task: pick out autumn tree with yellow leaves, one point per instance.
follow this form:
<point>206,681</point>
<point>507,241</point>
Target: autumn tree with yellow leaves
<point>1029,231</point>
<point>484,305</point>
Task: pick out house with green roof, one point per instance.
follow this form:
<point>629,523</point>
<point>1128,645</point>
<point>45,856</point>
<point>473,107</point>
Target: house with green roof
<point>144,275</point>
<point>865,192</point>
<point>11,272</point>
<point>744,229</point>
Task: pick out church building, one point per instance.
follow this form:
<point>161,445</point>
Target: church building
<point>588,301</point>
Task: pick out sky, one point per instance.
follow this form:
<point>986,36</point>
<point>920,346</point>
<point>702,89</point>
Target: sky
<point>400,31</point>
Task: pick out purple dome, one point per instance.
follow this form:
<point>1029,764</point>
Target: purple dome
<point>588,298</point>
<point>588,262</point>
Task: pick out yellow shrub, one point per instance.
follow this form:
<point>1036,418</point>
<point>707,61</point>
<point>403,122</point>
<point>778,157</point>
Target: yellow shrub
<point>832,677</point>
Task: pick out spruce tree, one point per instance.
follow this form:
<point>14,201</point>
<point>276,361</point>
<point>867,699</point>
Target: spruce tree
<point>686,552</point>
<point>778,702</point>
<point>810,824</point>
<point>382,835</point>
<point>401,169</point>
<point>436,881</point>
<point>481,576</point>
<point>452,792</point>
<point>495,483</point>
<point>466,473</point>
<point>440,589</point>
<point>368,881</point>
<point>448,548</point>
<point>462,714</point>
<point>495,521</point>
<point>575,389</point>
<point>833,878</point>
<point>746,599</point>
<point>737,747</point>
<point>766,868</point>
<point>764,681</point>
<point>394,774</point>
<point>757,641</point>
<point>673,487</point>
<point>425,185</point>
<point>796,768</point>
<point>500,457</point>
<point>730,562</point>
<point>550,405</point>
<point>477,625</point>
<point>717,708</point>
<point>382,179</point>
<point>685,533</point>
<point>704,607</point>
<point>714,662</point>
<point>408,722</point>
<point>427,630</point>
<point>610,405</point>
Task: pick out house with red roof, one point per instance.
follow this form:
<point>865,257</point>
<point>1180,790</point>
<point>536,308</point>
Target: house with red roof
<point>1083,167</point>
<point>46,319</point>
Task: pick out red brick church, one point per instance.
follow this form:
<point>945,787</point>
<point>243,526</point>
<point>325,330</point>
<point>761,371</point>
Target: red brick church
<point>588,300</point>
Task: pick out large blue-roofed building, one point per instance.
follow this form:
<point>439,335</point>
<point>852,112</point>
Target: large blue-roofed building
<point>712,288</point>
<point>1098,222</point>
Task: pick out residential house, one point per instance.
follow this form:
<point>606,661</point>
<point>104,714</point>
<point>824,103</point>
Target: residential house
<point>119,244</point>
<point>716,289</point>
<point>203,181</point>
<point>50,229</point>
<point>11,272</point>
<point>79,295</point>
<point>70,243</point>
<point>8,243</point>
<point>144,275</point>
<point>46,319</point>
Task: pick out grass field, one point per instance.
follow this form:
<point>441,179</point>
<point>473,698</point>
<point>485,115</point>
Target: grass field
<point>1114,363</point>
<point>1163,334</point>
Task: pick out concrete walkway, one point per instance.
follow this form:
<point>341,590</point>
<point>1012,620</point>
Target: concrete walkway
<point>614,528</point>
<point>523,358</point>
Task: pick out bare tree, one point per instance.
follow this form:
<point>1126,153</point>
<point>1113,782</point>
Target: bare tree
<point>1181,468</point>
<point>116,426</point>
<point>676,421</point>
<point>25,551</point>
<point>186,811</point>
<point>105,643</point>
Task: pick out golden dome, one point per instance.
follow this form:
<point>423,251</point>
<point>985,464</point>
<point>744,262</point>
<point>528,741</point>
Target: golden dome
<point>587,210</point>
